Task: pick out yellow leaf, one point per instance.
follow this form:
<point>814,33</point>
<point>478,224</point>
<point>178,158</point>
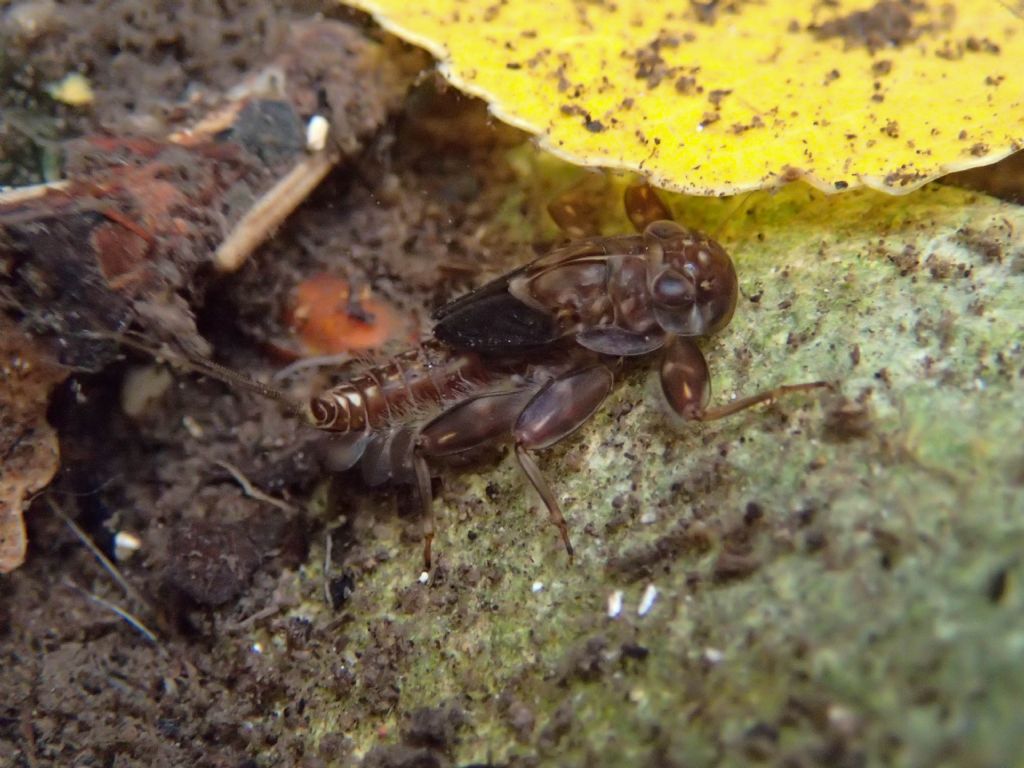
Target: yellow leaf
<point>722,97</point>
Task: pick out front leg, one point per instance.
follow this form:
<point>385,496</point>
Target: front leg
<point>644,207</point>
<point>686,384</point>
<point>619,342</point>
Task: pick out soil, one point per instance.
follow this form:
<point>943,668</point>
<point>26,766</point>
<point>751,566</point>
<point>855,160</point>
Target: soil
<point>402,219</point>
<point>272,616</point>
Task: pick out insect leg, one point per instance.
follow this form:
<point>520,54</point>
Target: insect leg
<point>555,412</point>
<point>469,424</point>
<point>619,342</point>
<point>376,464</point>
<point>643,206</point>
<point>685,378</point>
<point>686,384</point>
<point>533,474</point>
<point>419,463</point>
<point>575,211</point>
<point>344,451</point>
<point>767,396</point>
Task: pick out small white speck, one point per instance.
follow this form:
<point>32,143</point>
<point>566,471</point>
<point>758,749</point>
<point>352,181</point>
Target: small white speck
<point>316,133</point>
<point>638,695</point>
<point>700,127</point>
<point>979,384</point>
<point>424,578</point>
<point>126,544</point>
<point>192,427</point>
<point>615,604</point>
<point>648,517</point>
<point>257,648</point>
<point>713,656</point>
<point>842,720</point>
<point>647,600</point>
<point>537,586</point>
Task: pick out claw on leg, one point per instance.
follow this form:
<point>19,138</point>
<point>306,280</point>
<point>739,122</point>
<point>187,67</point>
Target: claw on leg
<point>428,540</point>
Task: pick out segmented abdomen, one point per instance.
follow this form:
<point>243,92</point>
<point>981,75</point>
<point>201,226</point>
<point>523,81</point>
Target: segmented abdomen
<point>381,395</point>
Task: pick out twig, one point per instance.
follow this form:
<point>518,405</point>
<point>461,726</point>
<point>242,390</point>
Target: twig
<point>112,569</point>
<point>253,492</point>
<point>260,221</point>
<point>328,547</point>
<point>248,621</point>
<point>15,195</point>
<point>131,619</point>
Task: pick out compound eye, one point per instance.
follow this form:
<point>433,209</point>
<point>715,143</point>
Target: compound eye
<point>672,289</point>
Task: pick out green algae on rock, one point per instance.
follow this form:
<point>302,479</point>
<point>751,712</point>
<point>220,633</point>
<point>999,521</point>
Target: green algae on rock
<point>835,574</point>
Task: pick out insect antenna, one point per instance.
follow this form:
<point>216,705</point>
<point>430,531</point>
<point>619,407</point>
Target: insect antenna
<point>200,366</point>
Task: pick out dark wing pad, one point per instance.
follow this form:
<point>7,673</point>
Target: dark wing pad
<point>494,323</point>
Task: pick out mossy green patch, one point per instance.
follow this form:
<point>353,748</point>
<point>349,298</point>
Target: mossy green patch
<point>837,574</point>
